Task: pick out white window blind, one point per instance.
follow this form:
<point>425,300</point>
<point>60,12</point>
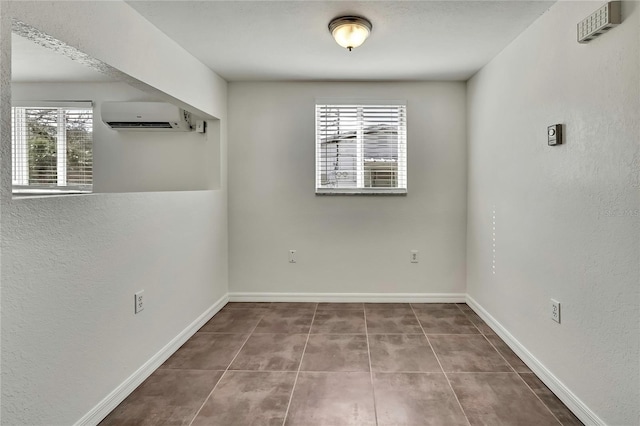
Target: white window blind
<point>52,147</point>
<point>361,149</point>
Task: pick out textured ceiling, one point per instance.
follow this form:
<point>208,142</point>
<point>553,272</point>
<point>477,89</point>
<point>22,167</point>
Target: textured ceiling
<point>33,63</point>
<point>289,40</point>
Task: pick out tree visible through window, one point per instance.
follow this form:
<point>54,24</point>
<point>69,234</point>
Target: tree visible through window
<point>52,148</point>
<point>361,148</point>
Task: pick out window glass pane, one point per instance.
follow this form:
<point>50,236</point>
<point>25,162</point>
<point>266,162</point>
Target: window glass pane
<point>52,148</point>
<point>360,147</point>
<point>79,126</point>
<point>41,131</point>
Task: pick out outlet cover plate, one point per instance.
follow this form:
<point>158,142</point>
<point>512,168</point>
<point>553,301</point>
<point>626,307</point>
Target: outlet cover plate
<point>555,310</point>
<point>139,301</point>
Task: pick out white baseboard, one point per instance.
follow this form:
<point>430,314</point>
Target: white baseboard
<point>569,399</point>
<point>111,401</point>
<point>349,297</point>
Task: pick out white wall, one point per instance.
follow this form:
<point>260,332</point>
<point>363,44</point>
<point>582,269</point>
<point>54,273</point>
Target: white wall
<point>130,45</point>
<point>567,222</point>
<point>134,161</point>
<point>345,244</point>
<point>70,265</point>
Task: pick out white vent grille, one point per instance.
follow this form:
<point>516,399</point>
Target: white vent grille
<point>599,22</point>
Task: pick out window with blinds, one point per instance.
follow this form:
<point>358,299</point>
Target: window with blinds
<point>361,149</point>
<point>52,147</point>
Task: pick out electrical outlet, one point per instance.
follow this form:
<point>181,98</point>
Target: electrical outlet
<point>139,301</point>
<point>555,311</point>
<point>292,256</point>
<point>414,256</point>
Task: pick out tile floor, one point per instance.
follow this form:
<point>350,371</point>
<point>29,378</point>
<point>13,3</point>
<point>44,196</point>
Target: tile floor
<point>336,364</point>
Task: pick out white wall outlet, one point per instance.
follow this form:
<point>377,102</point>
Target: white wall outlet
<point>555,311</point>
<point>292,256</point>
<point>139,301</point>
<point>414,256</point>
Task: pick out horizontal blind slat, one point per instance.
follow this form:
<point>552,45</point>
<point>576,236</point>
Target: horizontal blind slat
<point>52,145</point>
<point>360,146</point>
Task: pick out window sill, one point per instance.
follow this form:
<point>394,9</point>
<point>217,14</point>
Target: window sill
<point>39,192</point>
<point>362,191</point>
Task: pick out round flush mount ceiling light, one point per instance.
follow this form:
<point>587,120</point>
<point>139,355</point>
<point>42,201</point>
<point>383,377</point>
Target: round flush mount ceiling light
<point>350,31</point>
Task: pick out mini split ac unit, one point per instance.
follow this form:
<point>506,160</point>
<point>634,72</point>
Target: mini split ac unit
<point>145,116</point>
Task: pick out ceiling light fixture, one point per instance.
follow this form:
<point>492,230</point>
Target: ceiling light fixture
<point>350,31</point>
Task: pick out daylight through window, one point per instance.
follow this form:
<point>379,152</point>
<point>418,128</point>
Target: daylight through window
<point>361,149</point>
<point>51,147</point>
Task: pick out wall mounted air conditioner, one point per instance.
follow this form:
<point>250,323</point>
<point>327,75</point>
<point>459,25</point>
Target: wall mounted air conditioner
<point>145,116</point>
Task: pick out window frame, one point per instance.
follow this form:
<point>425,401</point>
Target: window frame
<point>20,149</point>
<point>360,170</point>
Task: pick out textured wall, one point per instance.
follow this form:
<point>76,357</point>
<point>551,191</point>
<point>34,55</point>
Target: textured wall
<point>133,161</point>
<point>345,244</point>
<point>71,264</point>
<point>70,268</point>
<point>566,217</point>
<point>114,33</point>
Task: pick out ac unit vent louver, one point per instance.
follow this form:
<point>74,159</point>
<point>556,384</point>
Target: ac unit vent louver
<point>145,116</point>
<point>125,125</point>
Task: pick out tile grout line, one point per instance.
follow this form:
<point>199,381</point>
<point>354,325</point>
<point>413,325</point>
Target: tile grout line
<point>523,381</point>
<point>225,371</point>
<point>295,382</point>
<point>537,396</point>
<point>373,388</point>
<point>510,366</point>
<point>440,364</point>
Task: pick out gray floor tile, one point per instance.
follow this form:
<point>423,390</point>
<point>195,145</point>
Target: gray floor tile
<point>334,321</point>
<point>464,307</point>
<point>387,321</point>
<point>248,398</point>
<point>232,321</point>
<point>167,397</point>
<point>434,306</point>
<point>479,323</point>
<point>293,305</point>
<point>323,399</point>
<point>336,352</point>
<point>285,321</point>
<point>247,305</point>
<point>416,399</point>
<point>334,386</point>
<point>514,361</point>
<point>404,308</point>
<point>271,352</point>
<point>499,399</point>
<point>445,321</point>
<point>205,351</point>
<point>402,352</point>
<point>467,353</point>
<point>340,307</point>
<point>562,413</point>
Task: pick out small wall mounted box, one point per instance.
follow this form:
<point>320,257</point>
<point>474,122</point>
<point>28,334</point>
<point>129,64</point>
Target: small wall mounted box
<point>554,134</point>
<point>599,22</point>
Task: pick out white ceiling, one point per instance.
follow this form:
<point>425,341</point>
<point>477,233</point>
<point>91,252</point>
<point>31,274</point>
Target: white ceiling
<point>31,62</point>
<point>289,40</point>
